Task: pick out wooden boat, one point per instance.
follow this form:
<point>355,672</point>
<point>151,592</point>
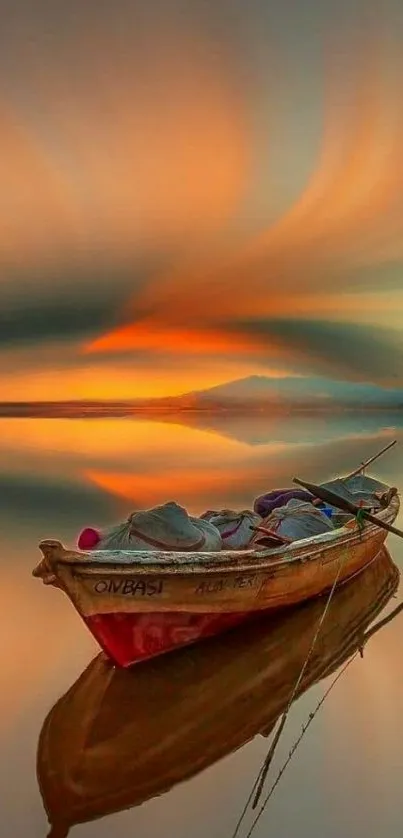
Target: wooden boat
<point>120,737</point>
<point>139,604</point>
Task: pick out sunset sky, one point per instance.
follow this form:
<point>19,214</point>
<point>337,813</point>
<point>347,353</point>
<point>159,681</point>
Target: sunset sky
<point>195,191</point>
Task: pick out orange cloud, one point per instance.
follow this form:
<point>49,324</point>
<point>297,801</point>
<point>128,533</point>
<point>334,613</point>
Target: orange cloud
<point>37,208</point>
<point>124,153</point>
<point>342,216</point>
<point>356,180</point>
<point>149,335</point>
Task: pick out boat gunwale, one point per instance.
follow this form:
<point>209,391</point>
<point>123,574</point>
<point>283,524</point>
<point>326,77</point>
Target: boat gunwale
<point>147,562</point>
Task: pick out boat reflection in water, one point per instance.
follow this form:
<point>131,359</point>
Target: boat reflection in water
<point>120,737</point>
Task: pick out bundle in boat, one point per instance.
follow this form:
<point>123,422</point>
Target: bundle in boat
<point>119,738</point>
<point>140,603</point>
<point>235,528</point>
<point>296,520</point>
<point>165,527</point>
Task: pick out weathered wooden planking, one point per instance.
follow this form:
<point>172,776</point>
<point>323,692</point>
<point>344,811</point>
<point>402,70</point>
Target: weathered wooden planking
<point>283,585</point>
<point>230,581</point>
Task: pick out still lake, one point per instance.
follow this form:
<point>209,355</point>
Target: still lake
<point>59,475</point>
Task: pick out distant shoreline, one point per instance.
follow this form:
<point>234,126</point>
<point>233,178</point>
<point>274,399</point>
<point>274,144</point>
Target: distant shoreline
<point>93,409</point>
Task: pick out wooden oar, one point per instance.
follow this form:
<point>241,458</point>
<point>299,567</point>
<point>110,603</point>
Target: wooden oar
<point>371,460</point>
<point>345,505</point>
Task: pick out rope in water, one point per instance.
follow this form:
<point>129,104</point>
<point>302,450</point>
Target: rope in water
<point>359,652</point>
<point>258,784</point>
<point>297,743</point>
<point>280,729</point>
<point>260,779</point>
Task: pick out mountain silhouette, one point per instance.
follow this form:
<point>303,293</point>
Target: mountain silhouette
<point>253,393</point>
<point>260,389</point>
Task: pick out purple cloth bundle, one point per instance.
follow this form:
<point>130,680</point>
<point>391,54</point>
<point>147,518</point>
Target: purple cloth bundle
<point>265,504</point>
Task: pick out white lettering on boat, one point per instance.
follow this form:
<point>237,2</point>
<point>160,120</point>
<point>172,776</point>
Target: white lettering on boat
<point>212,586</point>
<point>129,587</point>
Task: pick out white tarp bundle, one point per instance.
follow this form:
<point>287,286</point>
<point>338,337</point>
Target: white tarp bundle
<point>359,489</point>
<point>166,527</point>
<point>297,520</point>
<point>235,527</point>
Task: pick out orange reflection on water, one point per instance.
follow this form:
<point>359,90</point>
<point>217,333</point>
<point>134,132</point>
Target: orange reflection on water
<point>35,658</point>
<point>111,439</point>
<point>197,486</point>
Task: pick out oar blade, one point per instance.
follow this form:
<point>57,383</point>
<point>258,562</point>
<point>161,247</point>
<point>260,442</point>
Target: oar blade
<point>345,505</point>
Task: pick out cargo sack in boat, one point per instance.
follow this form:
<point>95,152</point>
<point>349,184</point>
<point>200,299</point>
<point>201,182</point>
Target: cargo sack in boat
<point>297,520</point>
<point>166,527</point>
<point>235,527</point>
<point>265,504</point>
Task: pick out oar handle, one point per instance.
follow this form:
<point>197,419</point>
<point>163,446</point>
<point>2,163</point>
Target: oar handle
<point>388,527</point>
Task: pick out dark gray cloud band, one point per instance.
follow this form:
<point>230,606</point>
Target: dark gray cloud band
<point>348,350</point>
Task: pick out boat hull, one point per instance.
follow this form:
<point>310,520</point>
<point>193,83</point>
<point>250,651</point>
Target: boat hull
<point>130,638</point>
<point>139,605</point>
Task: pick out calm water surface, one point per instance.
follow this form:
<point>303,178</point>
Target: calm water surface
<point>60,475</point>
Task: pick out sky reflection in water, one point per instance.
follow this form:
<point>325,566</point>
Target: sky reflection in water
<point>59,475</point>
